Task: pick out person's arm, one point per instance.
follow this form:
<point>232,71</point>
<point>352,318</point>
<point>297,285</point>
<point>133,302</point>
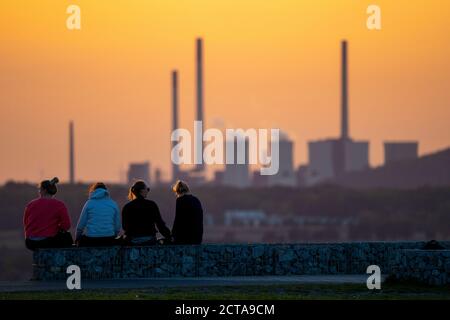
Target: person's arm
<point>65,222</point>
<point>176,221</point>
<point>117,223</point>
<point>82,221</point>
<point>200,222</point>
<point>125,222</point>
<point>161,224</point>
<point>26,216</point>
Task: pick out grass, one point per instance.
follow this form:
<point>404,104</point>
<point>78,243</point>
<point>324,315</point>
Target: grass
<point>268,292</point>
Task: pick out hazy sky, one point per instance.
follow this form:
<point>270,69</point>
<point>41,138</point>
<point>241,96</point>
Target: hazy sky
<point>268,63</point>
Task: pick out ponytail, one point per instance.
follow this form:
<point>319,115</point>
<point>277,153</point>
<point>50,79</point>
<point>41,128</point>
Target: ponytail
<point>135,190</point>
<point>50,186</point>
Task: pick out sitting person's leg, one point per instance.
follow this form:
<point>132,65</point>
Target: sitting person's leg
<point>97,241</point>
<point>30,244</point>
<point>83,241</point>
<point>142,241</point>
<point>107,241</point>
<point>62,239</point>
<point>37,244</point>
<point>44,243</point>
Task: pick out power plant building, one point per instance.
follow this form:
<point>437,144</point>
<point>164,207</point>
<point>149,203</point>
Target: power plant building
<point>286,173</point>
<point>399,151</point>
<point>237,174</point>
<point>139,171</point>
<point>331,158</point>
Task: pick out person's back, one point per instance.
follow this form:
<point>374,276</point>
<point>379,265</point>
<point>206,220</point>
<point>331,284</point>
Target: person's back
<point>46,220</point>
<point>45,217</point>
<point>99,221</point>
<point>188,223</point>
<point>141,216</point>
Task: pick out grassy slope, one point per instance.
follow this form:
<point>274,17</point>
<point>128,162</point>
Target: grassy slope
<point>297,292</point>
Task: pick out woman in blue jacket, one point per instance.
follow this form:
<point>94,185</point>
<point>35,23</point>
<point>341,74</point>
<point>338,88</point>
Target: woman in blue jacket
<point>99,222</point>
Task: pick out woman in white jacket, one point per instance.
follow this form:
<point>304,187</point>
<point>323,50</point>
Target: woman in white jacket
<point>99,222</point>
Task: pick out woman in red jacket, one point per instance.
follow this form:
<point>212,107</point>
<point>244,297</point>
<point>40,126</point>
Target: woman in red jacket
<point>46,220</point>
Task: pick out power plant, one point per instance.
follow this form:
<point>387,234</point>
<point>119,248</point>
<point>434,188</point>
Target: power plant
<point>196,175</point>
<point>328,159</point>
<point>331,158</point>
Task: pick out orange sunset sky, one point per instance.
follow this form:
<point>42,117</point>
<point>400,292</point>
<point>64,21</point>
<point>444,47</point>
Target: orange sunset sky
<point>268,63</point>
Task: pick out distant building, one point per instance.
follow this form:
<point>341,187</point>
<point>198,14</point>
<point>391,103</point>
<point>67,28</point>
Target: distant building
<point>244,217</point>
<point>194,177</point>
<point>139,171</point>
<point>158,177</point>
<point>398,151</point>
<point>325,159</point>
<point>237,174</point>
<point>218,177</point>
<point>320,168</point>
<point>356,156</point>
<point>301,175</point>
<point>428,170</point>
<point>259,180</point>
<point>286,173</point>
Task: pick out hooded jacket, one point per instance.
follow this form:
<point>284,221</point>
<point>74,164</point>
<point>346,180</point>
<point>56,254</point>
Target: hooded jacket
<point>100,216</point>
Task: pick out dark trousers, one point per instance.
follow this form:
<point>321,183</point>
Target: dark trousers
<point>85,241</point>
<point>62,239</point>
<point>128,241</point>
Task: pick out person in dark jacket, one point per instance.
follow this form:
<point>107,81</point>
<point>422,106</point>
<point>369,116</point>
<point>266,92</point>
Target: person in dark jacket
<point>188,224</point>
<point>140,216</point>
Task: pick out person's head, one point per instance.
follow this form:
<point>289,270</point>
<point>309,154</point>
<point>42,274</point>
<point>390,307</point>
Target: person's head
<point>180,188</point>
<point>47,188</point>
<point>97,185</point>
<point>138,190</point>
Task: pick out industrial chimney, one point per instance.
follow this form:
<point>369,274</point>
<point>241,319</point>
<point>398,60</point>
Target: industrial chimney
<point>199,62</point>
<point>344,93</point>
<point>340,159</point>
<point>175,169</point>
<point>71,154</point>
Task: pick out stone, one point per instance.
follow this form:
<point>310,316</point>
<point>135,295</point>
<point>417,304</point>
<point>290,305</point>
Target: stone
<point>402,259</point>
<point>134,254</point>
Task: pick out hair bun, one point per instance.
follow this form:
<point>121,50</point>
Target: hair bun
<point>54,181</point>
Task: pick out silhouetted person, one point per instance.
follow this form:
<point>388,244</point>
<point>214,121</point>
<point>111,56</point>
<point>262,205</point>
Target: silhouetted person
<point>46,220</point>
<point>188,224</point>
<point>140,216</point>
<point>99,222</point>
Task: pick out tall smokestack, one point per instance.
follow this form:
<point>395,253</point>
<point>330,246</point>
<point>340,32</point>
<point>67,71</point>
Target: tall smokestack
<point>344,93</point>
<point>175,169</point>
<point>71,154</point>
<point>199,62</point>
